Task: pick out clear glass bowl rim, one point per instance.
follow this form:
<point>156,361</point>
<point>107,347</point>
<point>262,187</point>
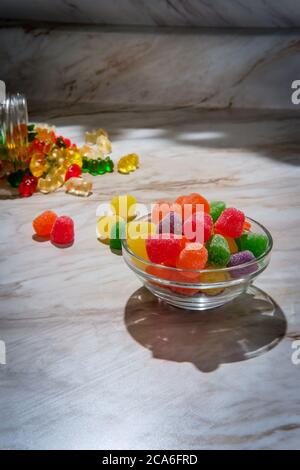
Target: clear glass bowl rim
<point>201,271</point>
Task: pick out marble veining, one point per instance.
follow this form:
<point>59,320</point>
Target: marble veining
<point>69,65</point>
<point>93,360</point>
<point>212,13</point>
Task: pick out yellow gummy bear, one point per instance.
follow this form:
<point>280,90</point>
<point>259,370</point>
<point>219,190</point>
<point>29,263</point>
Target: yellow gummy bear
<point>128,163</point>
<point>79,186</point>
<point>72,156</point>
<point>55,179</point>
<point>137,234</point>
<point>37,164</point>
<point>91,137</point>
<point>124,206</point>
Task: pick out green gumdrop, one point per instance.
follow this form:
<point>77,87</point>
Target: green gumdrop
<point>93,167</point>
<point>216,209</point>
<point>257,243</point>
<point>100,167</point>
<point>218,250</point>
<point>15,178</point>
<point>109,165</point>
<point>117,233</point>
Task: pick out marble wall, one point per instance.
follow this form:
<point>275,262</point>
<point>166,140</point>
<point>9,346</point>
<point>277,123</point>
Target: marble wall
<point>215,13</point>
<point>107,66</point>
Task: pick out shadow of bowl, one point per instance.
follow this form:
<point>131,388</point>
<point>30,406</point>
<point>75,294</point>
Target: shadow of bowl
<point>247,327</point>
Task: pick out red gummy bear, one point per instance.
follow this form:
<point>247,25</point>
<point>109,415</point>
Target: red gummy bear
<point>74,171</point>
<point>28,185</point>
<point>198,227</point>
<point>165,248</point>
<point>230,223</point>
<point>62,232</point>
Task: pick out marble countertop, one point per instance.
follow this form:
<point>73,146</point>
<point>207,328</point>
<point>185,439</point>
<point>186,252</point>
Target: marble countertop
<point>94,361</point>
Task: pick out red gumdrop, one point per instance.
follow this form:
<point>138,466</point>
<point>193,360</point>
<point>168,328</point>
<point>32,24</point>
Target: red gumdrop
<point>27,186</point>
<point>73,171</point>
<point>198,227</point>
<point>62,232</point>
<point>230,223</point>
<point>164,248</point>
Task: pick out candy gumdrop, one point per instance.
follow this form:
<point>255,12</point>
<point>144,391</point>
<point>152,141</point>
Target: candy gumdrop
<point>62,232</point>
<point>197,203</point>
<point>43,223</point>
<point>193,257</point>
<point>216,209</point>
<point>218,251</point>
<point>124,206</point>
<point>137,234</point>
<point>164,248</point>
<point>257,243</point>
<point>241,258</point>
<point>171,223</point>
<point>230,223</point>
<point>198,227</point>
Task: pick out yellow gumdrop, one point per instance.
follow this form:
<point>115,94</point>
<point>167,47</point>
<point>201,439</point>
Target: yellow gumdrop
<point>124,206</point>
<point>104,226</point>
<point>37,164</point>
<point>128,163</point>
<point>137,234</point>
<point>213,277</point>
<point>232,245</point>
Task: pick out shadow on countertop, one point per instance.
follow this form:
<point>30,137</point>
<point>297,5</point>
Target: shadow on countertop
<point>245,328</point>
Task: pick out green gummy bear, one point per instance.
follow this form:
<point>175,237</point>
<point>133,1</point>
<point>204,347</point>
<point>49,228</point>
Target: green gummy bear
<point>109,165</point>
<point>117,233</point>
<point>93,167</point>
<point>100,167</point>
<point>216,209</point>
<point>218,250</point>
<point>257,243</point>
<point>85,165</point>
<point>15,178</point>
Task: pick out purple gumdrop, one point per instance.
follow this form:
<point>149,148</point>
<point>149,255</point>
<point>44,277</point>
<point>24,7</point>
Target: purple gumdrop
<point>240,258</point>
<point>171,223</point>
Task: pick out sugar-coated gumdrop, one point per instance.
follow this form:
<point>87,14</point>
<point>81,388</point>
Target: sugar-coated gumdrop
<point>232,244</point>
<point>218,250</point>
<point>213,277</point>
<point>193,256</point>
<point>124,206</point>
<point>241,258</point>
<point>43,223</point>
<point>230,223</point>
<point>137,234</point>
<point>197,202</point>
<point>74,171</point>
<point>171,223</point>
<point>198,227</point>
<point>28,185</point>
<point>162,208</point>
<point>164,248</point>
<point>216,209</point>
<point>62,232</point>
<point>257,243</point>
<point>118,232</point>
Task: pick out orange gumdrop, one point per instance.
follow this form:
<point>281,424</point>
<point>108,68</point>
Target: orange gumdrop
<point>193,256</point>
<point>43,223</point>
<point>195,200</point>
<point>247,225</point>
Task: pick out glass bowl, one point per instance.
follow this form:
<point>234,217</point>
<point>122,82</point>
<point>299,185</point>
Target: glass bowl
<point>198,289</point>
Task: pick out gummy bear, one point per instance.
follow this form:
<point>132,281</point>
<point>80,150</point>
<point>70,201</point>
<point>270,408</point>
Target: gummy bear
<point>43,223</point>
<point>124,206</point>
<point>128,163</point>
<point>73,171</point>
<point>194,256</point>
<point>79,186</point>
<point>72,156</point>
<point>37,164</point>
<point>15,178</point>
<point>108,165</point>
<point>218,250</point>
<point>118,232</point>
<point>198,227</point>
<point>230,223</point>
<point>257,243</point>
<point>62,232</point>
<point>27,186</point>
<point>164,248</point>
<point>241,258</point>
<point>216,209</point>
